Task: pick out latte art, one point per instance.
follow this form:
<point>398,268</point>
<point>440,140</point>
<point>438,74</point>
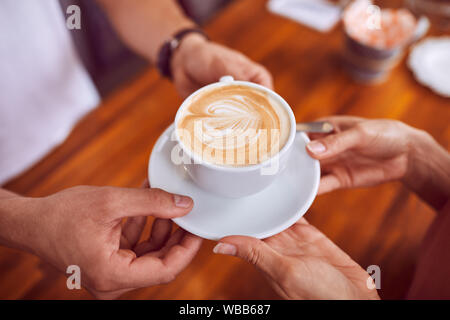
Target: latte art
<point>234,125</point>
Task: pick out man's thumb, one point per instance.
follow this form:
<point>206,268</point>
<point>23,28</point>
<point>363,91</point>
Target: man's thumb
<point>250,249</point>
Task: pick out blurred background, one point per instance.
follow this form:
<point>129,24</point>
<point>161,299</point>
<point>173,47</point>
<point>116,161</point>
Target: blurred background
<point>383,225</point>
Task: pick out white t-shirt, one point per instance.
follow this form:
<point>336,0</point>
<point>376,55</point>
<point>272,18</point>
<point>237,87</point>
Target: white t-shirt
<point>44,88</point>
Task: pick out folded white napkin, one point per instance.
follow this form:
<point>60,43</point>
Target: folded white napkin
<point>317,14</point>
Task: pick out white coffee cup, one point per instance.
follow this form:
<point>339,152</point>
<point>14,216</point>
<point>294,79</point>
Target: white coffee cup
<point>236,182</point>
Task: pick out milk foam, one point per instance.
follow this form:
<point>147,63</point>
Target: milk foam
<point>234,125</point>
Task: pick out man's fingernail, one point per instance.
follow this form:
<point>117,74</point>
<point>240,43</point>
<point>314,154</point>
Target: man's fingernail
<point>225,248</point>
<point>181,201</point>
<point>316,147</point>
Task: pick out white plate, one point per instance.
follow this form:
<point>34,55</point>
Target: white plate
<point>430,62</point>
<point>260,215</point>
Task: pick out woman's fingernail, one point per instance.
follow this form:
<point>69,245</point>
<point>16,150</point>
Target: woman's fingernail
<point>316,147</point>
<point>225,248</point>
<point>181,201</point>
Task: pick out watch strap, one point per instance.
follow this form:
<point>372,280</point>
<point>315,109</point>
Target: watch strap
<point>168,48</point>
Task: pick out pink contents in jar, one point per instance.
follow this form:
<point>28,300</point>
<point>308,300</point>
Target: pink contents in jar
<point>379,28</point>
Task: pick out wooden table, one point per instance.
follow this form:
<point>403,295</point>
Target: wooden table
<point>111,146</point>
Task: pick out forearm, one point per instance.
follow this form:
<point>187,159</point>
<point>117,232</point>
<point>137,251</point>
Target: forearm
<point>144,25</point>
<point>6,194</point>
<point>15,218</point>
<point>428,172</point>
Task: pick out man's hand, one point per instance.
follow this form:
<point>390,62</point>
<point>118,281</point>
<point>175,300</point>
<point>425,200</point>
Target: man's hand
<point>302,263</point>
<point>198,62</point>
<point>83,226</point>
<point>145,25</point>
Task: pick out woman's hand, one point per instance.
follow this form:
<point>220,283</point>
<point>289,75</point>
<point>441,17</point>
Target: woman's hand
<point>198,62</point>
<point>302,263</point>
<point>362,153</point>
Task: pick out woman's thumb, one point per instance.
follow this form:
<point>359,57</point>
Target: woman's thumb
<point>333,144</point>
<point>250,249</point>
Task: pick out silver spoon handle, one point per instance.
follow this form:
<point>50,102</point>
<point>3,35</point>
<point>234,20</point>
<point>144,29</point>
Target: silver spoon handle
<point>315,127</point>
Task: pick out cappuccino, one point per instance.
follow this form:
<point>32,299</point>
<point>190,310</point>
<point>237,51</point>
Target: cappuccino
<point>233,125</point>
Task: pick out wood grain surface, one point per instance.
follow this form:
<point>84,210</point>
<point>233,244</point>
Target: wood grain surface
<point>111,146</point>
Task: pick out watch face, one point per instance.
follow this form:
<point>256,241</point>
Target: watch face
<point>174,43</point>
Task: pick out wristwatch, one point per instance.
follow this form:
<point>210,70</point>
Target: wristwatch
<point>168,48</point>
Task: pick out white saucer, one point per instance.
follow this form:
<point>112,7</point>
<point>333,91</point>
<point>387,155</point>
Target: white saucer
<point>260,215</point>
<point>430,62</point>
